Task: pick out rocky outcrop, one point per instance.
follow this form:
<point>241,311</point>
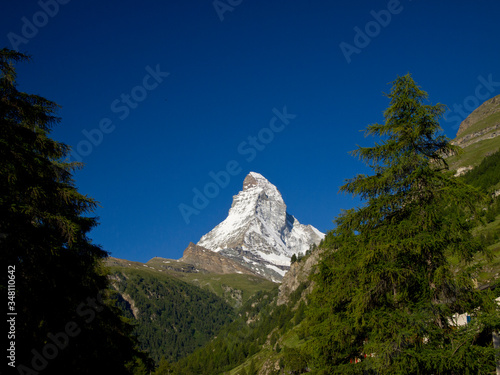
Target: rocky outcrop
<point>299,273</point>
<point>232,295</point>
<point>131,302</point>
<point>463,170</point>
<point>470,139</point>
<point>115,282</point>
<point>210,261</point>
<point>488,108</point>
<point>270,366</point>
<point>480,115</point>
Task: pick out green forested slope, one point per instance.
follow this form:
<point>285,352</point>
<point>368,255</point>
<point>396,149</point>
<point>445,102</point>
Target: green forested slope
<point>172,318</point>
<point>235,289</point>
<point>248,342</point>
<point>486,176</point>
<point>176,307</point>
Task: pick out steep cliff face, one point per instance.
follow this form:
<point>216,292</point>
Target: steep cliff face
<point>258,232</point>
<point>299,273</point>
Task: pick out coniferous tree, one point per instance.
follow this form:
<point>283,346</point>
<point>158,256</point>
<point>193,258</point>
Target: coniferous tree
<point>252,370</point>
<point>65,322</point>
<point>386,293</point>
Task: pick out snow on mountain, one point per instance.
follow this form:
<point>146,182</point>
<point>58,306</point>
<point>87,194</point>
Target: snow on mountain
<point>258,232</point>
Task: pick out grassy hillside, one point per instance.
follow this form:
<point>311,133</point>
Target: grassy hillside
<point>485,116</point>
<point>484,157</point>
<point>479,124</point>
<point>473,155</point>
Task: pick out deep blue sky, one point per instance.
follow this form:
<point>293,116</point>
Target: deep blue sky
<point>226,77</point>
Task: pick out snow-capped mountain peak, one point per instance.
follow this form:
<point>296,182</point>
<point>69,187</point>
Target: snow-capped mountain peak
<point>258,232</point>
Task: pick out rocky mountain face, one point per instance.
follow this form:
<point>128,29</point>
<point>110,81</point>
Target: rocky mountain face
<point>489,108</point>
<point>481,135</point>
<point>478,135</point>
<point>298,274</point>
<point>210,261</point>
<point>482,124</point>
<point>258,233</point>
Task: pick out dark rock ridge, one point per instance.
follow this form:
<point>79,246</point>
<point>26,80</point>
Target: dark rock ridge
<point>212,262</point>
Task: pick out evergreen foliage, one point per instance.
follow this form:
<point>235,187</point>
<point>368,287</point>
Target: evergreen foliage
<point>44,222</point>
<point>386,293</point>
<point>236,342</point>
<point>295,362</point>
<point>259,323</point>
<point>252,370</point>
<point>173,318</point>
<point>486,175</point>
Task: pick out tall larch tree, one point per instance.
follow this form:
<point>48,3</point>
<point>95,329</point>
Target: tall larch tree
<point>387,293</point>
<point>65,322</point>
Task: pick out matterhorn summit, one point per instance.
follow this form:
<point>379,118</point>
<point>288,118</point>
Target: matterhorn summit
<point>258,232</point>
